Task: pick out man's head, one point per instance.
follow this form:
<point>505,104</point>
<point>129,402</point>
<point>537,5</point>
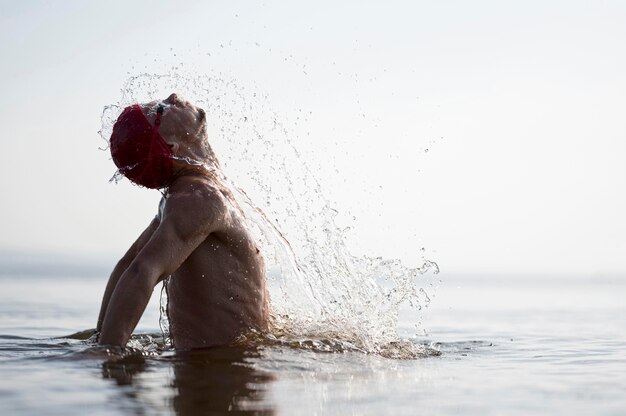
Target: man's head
<point>150,141</point>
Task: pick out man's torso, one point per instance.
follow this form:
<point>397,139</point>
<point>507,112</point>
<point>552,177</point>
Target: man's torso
<point>219,292</point>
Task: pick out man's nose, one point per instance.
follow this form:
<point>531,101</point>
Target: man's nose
<point>172,99</point>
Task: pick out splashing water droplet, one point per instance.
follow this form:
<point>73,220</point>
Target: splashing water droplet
<point>319,290</point>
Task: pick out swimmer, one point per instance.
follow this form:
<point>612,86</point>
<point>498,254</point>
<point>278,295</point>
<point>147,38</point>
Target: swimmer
<point>198,241</point>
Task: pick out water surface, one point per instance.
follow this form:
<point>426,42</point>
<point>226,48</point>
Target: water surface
<point>509,345</point>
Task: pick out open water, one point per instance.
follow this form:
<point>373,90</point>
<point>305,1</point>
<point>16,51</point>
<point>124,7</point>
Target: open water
<point>351,335</point>
<point>501,345</point>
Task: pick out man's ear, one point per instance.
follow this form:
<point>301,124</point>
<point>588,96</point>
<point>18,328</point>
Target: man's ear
<point>174,146</point>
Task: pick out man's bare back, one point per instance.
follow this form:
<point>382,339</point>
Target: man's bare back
<point>216,287</point>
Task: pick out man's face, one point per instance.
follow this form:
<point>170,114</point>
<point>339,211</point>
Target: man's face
<point>181,122</point>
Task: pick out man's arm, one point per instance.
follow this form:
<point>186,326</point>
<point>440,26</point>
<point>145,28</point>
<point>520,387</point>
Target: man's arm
<point>188,218</point>
<point>121,267</point>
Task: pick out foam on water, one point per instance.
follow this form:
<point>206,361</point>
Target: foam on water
<point>322,296</point>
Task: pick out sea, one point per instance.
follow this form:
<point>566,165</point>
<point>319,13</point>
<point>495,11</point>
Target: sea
<point>352,334</point>
<point>494,344</point>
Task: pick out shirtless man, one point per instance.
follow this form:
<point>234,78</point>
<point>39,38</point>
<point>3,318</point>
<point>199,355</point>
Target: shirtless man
<point>217,289</point>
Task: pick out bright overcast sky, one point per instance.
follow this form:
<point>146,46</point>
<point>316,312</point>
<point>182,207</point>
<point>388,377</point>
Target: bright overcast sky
<point>491,133</point>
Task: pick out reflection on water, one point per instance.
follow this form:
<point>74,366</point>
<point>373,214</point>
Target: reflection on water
<point>218,379</point>
<point>123,369</point>
<point>203,381</point>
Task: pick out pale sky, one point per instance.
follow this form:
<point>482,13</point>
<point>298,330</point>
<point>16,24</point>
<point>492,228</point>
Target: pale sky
<point>490,133</point>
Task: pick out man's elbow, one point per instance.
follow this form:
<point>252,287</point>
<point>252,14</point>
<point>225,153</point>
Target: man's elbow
<point>141,275</point>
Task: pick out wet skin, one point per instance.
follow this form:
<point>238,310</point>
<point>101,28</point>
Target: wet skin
<point>217,289</point>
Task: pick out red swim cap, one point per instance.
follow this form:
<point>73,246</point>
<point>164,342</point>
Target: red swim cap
<point>139,151</point>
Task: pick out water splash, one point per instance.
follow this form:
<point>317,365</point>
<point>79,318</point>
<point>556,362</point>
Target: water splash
<point>319,290</point>
<point>164,321</point>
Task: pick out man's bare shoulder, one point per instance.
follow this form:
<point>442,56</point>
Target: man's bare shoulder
<point>195,202</point>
